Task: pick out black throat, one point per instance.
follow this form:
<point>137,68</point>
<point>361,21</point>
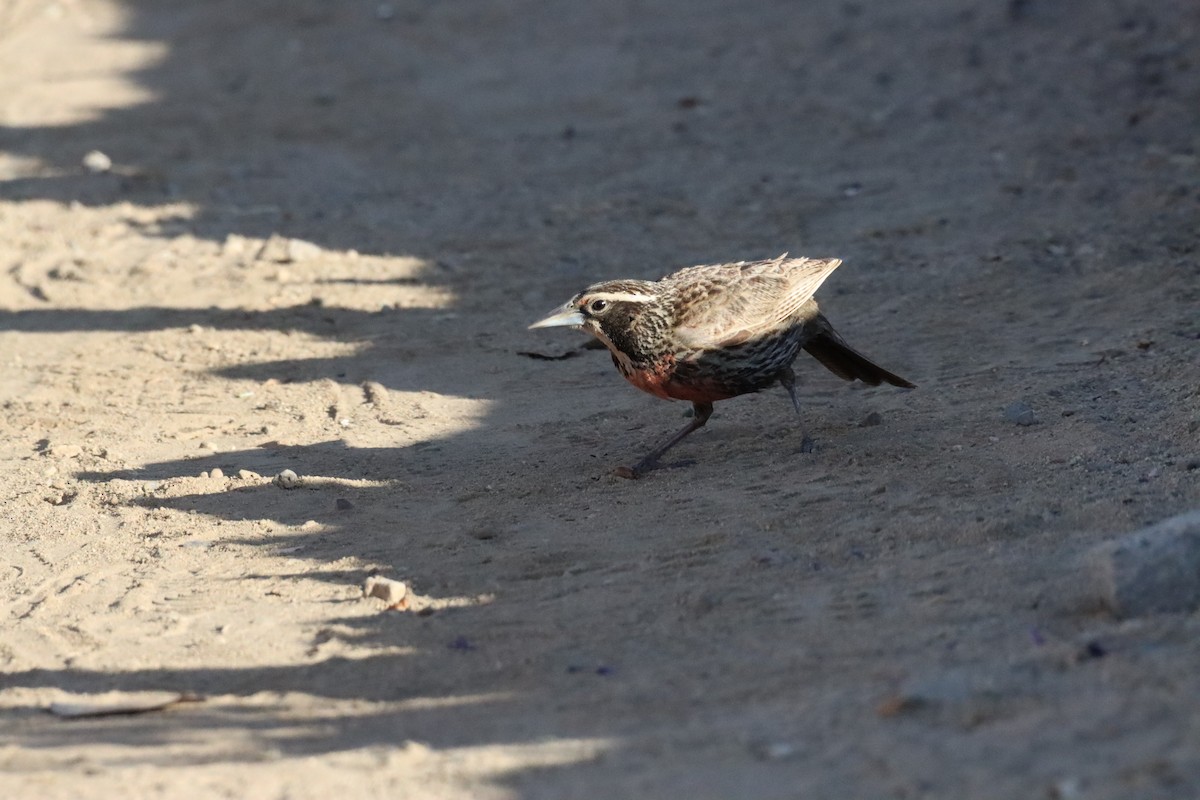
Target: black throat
<point>635,330</point>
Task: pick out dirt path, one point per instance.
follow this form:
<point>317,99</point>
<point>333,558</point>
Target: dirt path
<point>323,231</point>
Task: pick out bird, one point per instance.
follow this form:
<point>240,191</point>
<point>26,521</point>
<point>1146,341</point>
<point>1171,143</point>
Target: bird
<point>712,332</point>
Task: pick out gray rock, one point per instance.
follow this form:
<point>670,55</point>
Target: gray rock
<point>389,591</point>
<point>1020,413</point>
<point>1152,571</point>
<point>287,479</point>
<point>97,162</point>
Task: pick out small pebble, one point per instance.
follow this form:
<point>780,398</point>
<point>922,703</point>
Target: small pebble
<point>65,451</point>
<point>343,504</point>
<point>287,479</point>
<point>97,162</point>
<point>249,475</point>
<point>300,250</point>
<point>234,245</point>
<point>1020,413</point>
<point>1067,789</point>
<point>216,473</point>
<point>872,419</point>
<point>389,591</point>
<point>773,751</point>
<point>60,497</point>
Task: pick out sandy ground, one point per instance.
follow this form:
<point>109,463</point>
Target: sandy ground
<point>323,232</point>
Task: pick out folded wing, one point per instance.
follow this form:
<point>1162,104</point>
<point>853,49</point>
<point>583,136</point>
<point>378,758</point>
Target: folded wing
<point>718,310</point>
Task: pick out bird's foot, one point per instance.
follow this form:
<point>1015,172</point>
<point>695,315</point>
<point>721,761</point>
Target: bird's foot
<point>640,469</point>
<point>637,470</point>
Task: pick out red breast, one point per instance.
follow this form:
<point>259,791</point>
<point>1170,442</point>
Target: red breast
<point>659,380</point>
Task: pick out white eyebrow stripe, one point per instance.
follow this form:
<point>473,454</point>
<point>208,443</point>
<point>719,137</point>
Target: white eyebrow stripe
<point>618,297</point>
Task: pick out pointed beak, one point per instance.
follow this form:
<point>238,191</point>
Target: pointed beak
<point>566,317</point>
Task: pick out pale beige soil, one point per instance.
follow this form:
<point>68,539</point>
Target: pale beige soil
<point>1015,189</point>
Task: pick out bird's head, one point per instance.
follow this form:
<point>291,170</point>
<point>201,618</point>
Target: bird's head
<point>609,311</point>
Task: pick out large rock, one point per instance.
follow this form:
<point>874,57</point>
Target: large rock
<point>1151,571</point>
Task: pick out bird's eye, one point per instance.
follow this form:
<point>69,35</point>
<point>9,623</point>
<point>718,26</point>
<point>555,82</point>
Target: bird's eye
<point>596,306</point>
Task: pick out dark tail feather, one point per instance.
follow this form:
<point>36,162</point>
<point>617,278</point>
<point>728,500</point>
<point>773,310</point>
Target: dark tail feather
<point>846,362</point>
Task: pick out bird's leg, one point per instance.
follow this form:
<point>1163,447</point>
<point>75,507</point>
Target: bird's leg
<point>788,379</point>
<point>700,414</point>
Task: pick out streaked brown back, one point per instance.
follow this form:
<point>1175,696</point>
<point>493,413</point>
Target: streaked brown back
<point>728,304</point>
